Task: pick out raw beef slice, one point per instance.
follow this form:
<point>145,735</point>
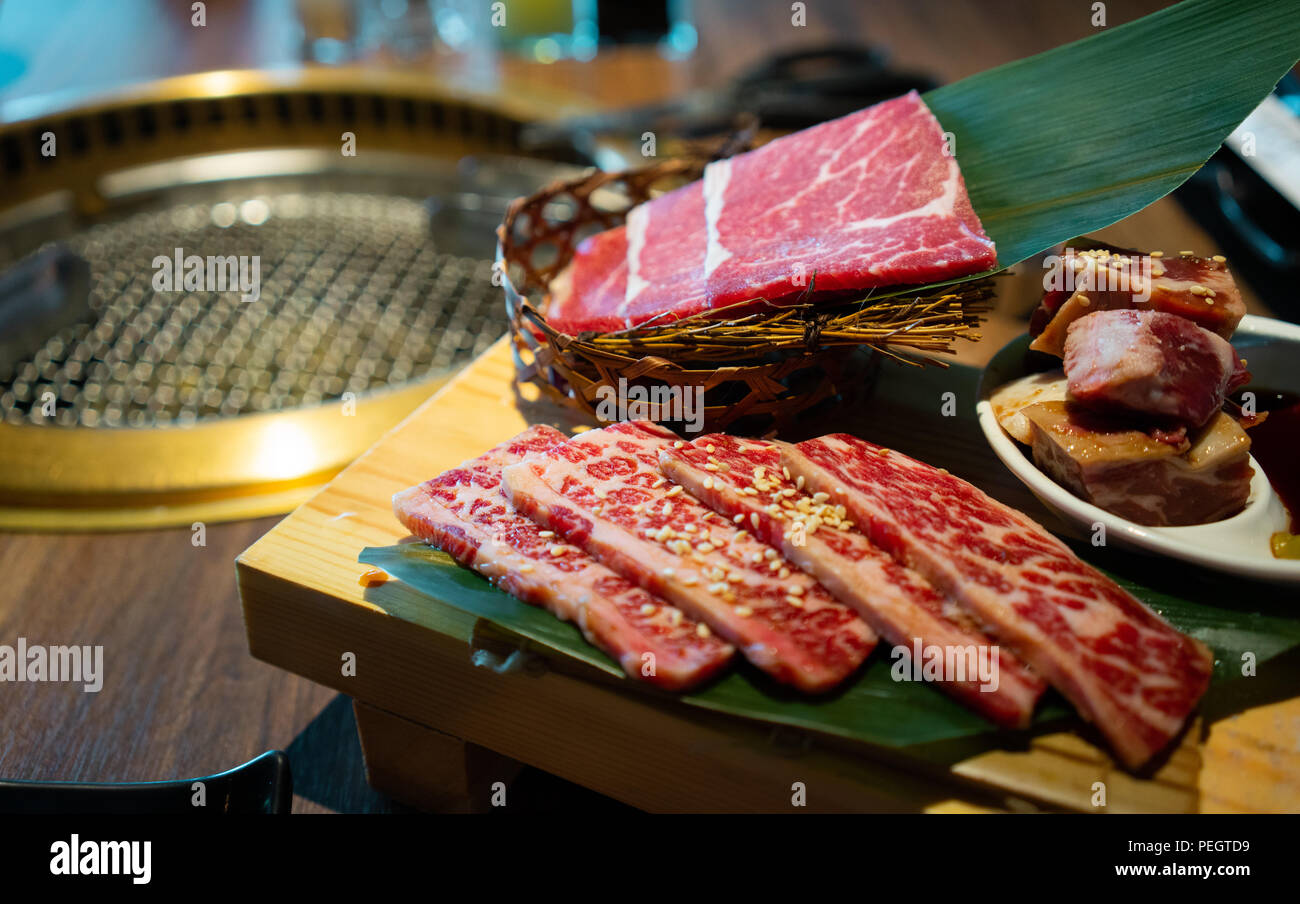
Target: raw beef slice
<point>870,199</point>
<point>464,513</point>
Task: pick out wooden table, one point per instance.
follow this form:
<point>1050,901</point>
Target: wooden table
<point>182,696</point>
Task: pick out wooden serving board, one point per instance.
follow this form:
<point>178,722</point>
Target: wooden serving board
<point>414,672</point>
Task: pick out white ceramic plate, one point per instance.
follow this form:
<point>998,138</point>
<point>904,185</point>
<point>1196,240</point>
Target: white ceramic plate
<point>1238,545</point>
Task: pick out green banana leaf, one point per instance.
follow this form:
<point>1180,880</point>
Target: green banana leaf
<point>1066,142</point>
<point>1054,146</point>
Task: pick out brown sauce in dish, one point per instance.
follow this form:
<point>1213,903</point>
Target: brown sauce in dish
<point>1275,443</point>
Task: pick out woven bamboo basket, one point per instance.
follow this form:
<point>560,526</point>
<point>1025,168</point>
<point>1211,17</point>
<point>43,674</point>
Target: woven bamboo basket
<point>759,366</point>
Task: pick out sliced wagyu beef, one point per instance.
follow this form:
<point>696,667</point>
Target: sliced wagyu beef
<point>871,199</point>
<point>464,513</point>
<point>744,478</point>
<point>665,258</point>
<point>587,295</point>
<point>1150,363</point>
<point>1125,669</point>
<point>603,491</point>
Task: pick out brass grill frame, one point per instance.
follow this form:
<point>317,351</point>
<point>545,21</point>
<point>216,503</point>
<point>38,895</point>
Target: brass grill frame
<point>59,478</point>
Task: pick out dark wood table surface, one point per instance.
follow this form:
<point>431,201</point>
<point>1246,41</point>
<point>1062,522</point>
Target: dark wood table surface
<point>182,696</point>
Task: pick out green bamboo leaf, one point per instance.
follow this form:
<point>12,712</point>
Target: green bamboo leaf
<point>872,707</point>
<point>1066,142</point>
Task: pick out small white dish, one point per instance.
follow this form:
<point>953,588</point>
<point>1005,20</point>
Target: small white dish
<point>1237,545</point>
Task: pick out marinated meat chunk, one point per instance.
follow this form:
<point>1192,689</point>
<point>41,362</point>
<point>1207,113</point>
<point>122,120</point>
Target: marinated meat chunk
<point>1130,474</point>
<point>1149,363</point>
<point>1200,289</point>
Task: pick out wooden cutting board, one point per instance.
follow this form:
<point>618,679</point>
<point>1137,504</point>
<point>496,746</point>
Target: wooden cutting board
<point>430,668</point>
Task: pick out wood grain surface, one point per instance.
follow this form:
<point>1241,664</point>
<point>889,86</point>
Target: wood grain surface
<point>183,697</point>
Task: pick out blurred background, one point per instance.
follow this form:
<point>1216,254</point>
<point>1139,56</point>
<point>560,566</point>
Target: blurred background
<point>364,151</point>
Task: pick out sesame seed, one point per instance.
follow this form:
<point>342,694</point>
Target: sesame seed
<point>675,617</point>
<point>1219,258</point>
<point>756,558</point>
<point>674,491</point>
<point>738,519</point>
<point>557,551</point>
<point>744,611</point>
<point>796,591</point>
<point>1198,289</point>
<point>526,567</point>
<point>678,444</point>
<point>647,609</point>
<point>1156,254</point>
<point>667,572</point>
<point>783,573</point>
<point>716,587</point>
<point>799,483</point>
<point>794,601</point>
<point>769,553</point>
<point>821,497</point>
<point>702,630</point>
<point>690,580</point>
<point>773,565</point>
<point>754,520</point>
<point>884,453</point>
<point>711,467</point>
<point>708,483</point>
<point>735,577</point>
<point>709,448</point>
<point>786,472</point>
<point>705,547</point>
<point>546,533</point>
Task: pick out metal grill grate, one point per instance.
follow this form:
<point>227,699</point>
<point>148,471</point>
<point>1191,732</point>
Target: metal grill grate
<point>354,298</point>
